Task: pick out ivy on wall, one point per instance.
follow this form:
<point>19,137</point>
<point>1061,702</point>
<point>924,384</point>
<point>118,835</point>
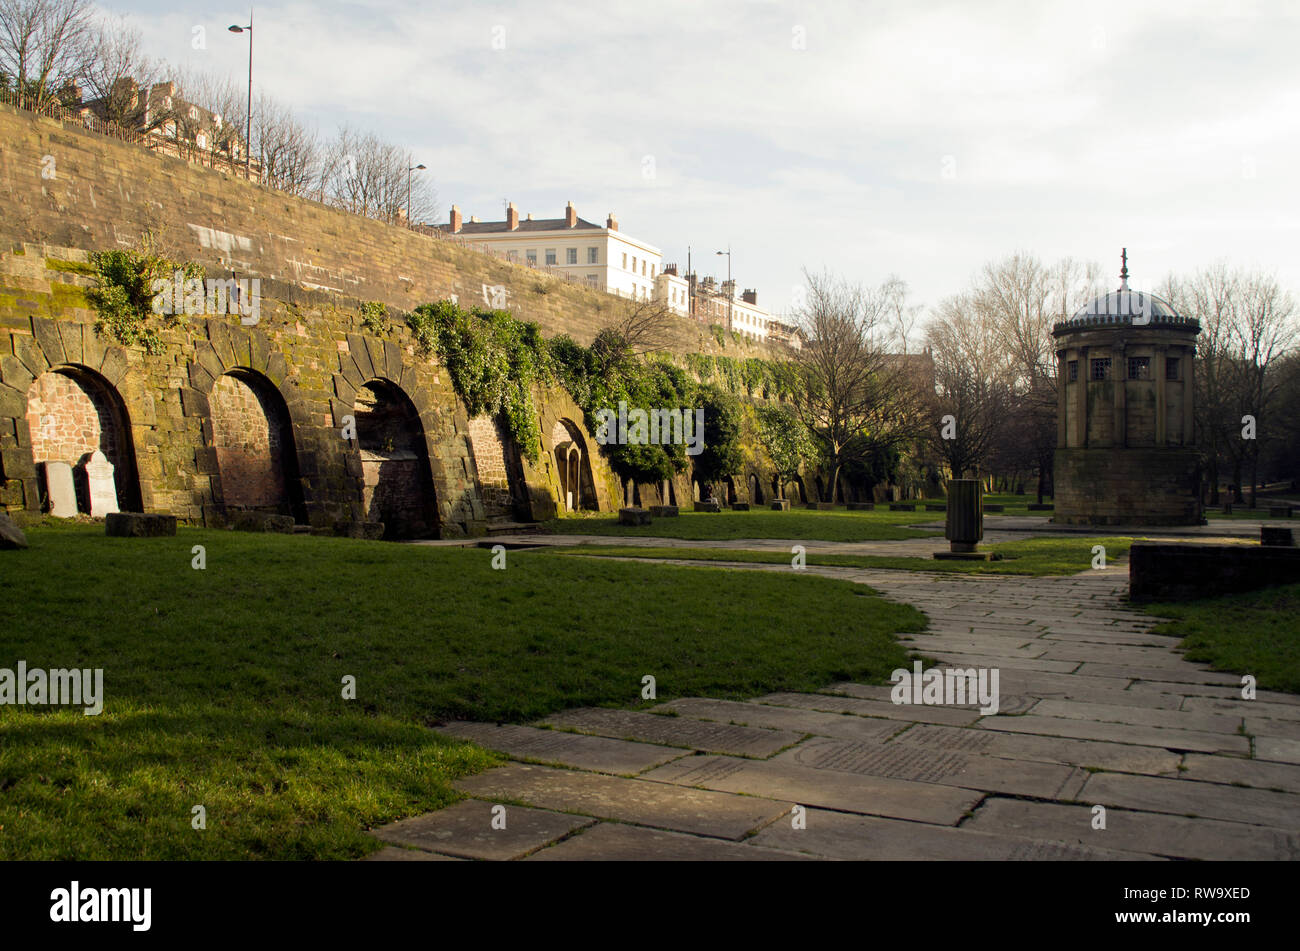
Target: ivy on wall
<point>123,294</point>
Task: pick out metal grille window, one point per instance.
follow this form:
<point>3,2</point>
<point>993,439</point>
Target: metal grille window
<point>1101,368</point>
<point>1139,368</point>
<point>1171,368</point>
<point>1073,370</point>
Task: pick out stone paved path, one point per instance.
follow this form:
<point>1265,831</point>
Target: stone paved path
<point>1095,711</point>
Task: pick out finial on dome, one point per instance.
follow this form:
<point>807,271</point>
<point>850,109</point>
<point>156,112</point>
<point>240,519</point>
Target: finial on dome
<point>1123,271</point>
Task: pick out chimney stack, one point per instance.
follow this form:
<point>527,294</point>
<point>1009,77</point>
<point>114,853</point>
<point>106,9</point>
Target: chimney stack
<point>570,216</point>
<point>611,222</point>
<point>512,217</point>
<point>750,297</point>
<point>455,219</point>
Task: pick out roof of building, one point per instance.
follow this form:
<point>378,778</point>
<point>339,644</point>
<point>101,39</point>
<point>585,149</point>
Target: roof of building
<point>525,225</point>
<point>1124,306</point>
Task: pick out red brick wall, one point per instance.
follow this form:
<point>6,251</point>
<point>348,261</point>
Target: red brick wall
<point>247,429</point>
<point>68,420</point>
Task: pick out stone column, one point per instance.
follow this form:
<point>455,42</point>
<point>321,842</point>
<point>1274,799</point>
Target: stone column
<point>1061,383</point>
<point>1081,398</point>
<point>1189,395</point>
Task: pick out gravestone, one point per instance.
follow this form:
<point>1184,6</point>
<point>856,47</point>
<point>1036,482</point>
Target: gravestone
<point>663,511</point>
<point>100,485</point>
<point>60,490</point>
<point>902,506</point>
<point>964,525</point>
<point>861,506</point>
<point>780,505</point>
<point>740,506</point>
<point>139,525</point>
<point>708,506</point>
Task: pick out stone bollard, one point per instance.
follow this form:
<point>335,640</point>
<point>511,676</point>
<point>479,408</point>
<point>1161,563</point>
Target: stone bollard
<point>965,522</point>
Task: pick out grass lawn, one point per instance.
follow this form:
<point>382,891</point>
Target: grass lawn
<point>834,526</point>
<point>1255,632</point>
<point>1033,556</point>
<point>222,687</point>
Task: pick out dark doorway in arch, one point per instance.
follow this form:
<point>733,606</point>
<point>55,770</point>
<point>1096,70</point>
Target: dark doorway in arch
<point>776,487</point>
<point>796,490</point>
<point>398,484</point>
<point>573,465</point>
<point>253,439</point>
<point>755,490</point>
<point>731,490</point>
<point>821,490</point>
<point>72,411</point>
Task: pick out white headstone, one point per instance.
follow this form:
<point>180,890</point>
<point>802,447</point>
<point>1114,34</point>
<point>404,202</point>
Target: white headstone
<point>60,489</point>
<point>99,480</point>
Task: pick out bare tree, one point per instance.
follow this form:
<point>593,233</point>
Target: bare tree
<point>903,317</point>
<point>854,396</point>
<point>116,69</point>
<point>44,44</point>
<point>288,153</point>
<point>973,385</point>
<point>644,325</point>
<point>369,176</point>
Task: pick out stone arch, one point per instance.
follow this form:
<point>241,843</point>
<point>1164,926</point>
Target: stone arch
<point>73,411</point>
<point>397,480</point>
<point>252,436</point>
<point>731,490</point>
<point>573,465</point>
<point>501,481</point>
<point>755,489</point>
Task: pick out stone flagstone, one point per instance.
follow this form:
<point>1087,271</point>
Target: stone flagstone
<point>616,842</point>
<point>598,753</point>
<point>1190,798</point>
<point>718,814</point>
<point>465,830</point>
<point>392,853</point>
<point>1121,733</point>
<point>847,792</point>
<point>1050,749</point>
<point>1175,836</point>
<point>798,721</point>
<point>867,838</point>
<point>871,708</point>
<point>675,731</point>
<point>1138,716</point>
<point>1248,772</point>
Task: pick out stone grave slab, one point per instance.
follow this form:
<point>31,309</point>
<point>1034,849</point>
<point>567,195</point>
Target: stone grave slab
<point>11,536</point>
<point>465,830</point>
<point>60,490</point>
<point>139,525</point>
<point>1185,797</point>
<point>785,718</point>
<point>616,842</point>
<point>927,765</point>
<point>100,485</point>
<point>576,750</point>
<point>848,792</point>
<point>633,516</point>
<point>1120,757</point>
<point>1127,830</point>
<point>675,731</point>
<point>868,838</point>
<point>700,811</point>
<point>1189,740</point>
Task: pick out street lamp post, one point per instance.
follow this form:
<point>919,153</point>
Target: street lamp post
<point>731,290</point>
<point>409,170</point>
<point>248,126</point>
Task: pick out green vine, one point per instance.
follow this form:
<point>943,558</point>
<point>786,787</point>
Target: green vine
<point>374,317</point>
<point>124,295</point>
<point>493,360</point>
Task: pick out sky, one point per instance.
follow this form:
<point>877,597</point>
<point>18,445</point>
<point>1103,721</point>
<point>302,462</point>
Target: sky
<point>921,139</point>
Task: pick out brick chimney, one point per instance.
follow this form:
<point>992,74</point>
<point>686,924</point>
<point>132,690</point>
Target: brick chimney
<point>512,217</point>
<point>611,222</point>
<point>570,216</point>
<point>455,219</point>
<point>750,297</point>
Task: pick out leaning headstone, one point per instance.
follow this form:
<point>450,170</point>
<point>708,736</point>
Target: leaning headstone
<point>634,516</point>
<point>139,525</point>
<point>663,511</point>
<point>1276,535</point>
<point>11,536</point>
<point>60,490</point>
<point>99,482</point>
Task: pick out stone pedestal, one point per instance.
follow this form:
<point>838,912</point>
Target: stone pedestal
<point>964,525</point>
<point>780,505</point>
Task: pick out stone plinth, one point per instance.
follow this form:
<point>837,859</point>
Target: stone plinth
<point>1174,572</point>
<point>861,506</point>
<point>780,505</point>
<point>740,506</point>
<point>139,525</point>
<point>708,506</point>
<point>1127,487</point>
<point>902,506</point>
